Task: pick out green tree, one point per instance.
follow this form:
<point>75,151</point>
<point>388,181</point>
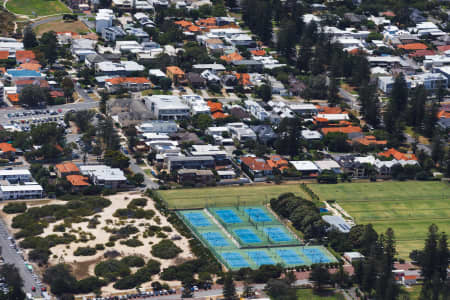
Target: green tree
<point>165,83</point>
<point>48,44</point>
<point>103,100</point>
<point>286,38</point>
<point>430,119</point>
<point>29,38</point>
<point>333,90</point>
<point>229,289</point>
<point>416,109</point>
<point>202,121</point>
<point>437,149</point>
<point>369,103</point>
<point>68,87</point>
<point>12,278</point>
<point>33,95</point>
<point>264,92</point>
<point>319,276</point>
<point>288,141</point>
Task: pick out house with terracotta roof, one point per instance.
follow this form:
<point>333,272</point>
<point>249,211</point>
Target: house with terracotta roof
<point>231,57</point>
<point>4,55</point>
<point>25,56</point>
<point>216,109</point>
<point>77,182</point>
<point>413,47</point>
<point>346,130</point>
<point>133,84</point>
<point>398,155</point>
<point>369,140</point>
<point>244,79</point>
<point>66,169</point>
<point>258,52</point>
<point>176,74</point>
<point>13,98</point>
<point>278,162</point>
<point>7,150</point>
<point>257,168</point>
<point>30,66</point>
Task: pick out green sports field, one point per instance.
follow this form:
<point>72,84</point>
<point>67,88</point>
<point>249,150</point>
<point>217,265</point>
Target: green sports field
<point>39,7</point>
<point>227,196</point>
<point>408,207</point>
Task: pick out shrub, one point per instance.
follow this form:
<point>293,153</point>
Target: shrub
<point>133,261</point>
<point>59,228</point>
<point>134,242</point>
<point>137,202</point>
<point>110,244</point>
<point>99,247</point>
<point>165,249</point>
<point>90,284</point>
<point>14,208</point>
<point>39,255</point>
<point>167,228</point>
<point>142,275</point>
<point>111,270</point>
<point>85,251</point>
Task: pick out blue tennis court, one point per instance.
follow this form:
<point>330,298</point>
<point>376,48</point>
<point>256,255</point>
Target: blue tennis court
<point>235,259</point>
<point>277,234</point>
<point>248,236</point>
<point>260,257</point>
<point>228,216</point>
<point>197,219</point>
<point>316,256</point>
<point>290,257</point>
<point>215,239</point>
<point>258,215</point>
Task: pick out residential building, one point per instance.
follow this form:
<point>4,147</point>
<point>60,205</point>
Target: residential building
<point>189,162</point>
<point>196,104</point>
<point>103,175</point>
<point>133,84</point>
<point>196,81</point>
<point>112,33</point>
<point>257,168</point>
<point>328,165</point>
<point>311,135</point>
<point>78,182</point>
<point>193,176</point>
<point>278,162</point>
<point>241,132</point>
<point>122,68</point>
<point>103,19</point>
<point>256,110</point>
<point>176,74</point>
<point>308,168</point>
<point>265,133</point>
<point>305,109</point>
<point>209,150</point>
<point>167,107</point>
<point>65,169</point>
<point>157,126</point>
<point>16,175</point>
<point>26,191</point>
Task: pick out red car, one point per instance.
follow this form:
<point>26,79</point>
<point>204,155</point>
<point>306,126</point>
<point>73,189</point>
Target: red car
<point>43,289</point>
<point>33,289</point>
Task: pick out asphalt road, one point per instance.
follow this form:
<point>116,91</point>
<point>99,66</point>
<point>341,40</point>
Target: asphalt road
<point>43,21</point>
<point>10,256</point>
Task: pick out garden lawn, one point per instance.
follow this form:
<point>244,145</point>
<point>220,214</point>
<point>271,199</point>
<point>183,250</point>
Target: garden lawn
<point>39,7</point>
<point>227,196</point>
<point>308,294</point>
<point>407,207</point>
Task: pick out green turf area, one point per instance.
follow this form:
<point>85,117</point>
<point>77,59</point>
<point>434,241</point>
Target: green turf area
<point>408,207</point>
<point>39,7</point>
<point>227,196</point>
<point>308,294</point>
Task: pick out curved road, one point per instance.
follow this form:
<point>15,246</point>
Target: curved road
<point>43,21</point>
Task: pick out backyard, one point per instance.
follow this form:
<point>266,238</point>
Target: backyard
<point>227,196</point>
<point>37,8</point>
<point>407,207</point>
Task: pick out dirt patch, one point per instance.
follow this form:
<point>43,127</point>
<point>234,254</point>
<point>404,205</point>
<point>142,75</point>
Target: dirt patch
<point>82,268</point>
<point>76,26</point>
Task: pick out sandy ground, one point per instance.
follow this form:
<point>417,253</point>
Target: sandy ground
<point>84,265</point>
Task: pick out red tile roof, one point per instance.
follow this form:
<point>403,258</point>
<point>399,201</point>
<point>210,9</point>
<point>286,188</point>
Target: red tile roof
<point>13,97</point>
<point>243,78</point>
<point>184,23</point>
<point>23,56</point>
<point>347,130</point>
<point>258,52</point>
<point>77,180</point>
<point>421,53</point>
<point>56,94</point>
<point>67,168</point>
<point>120,80</point>
<point>330,110</point>
<point>370,140</point>
<point>413,46</point>
<point>6,147</point>
<point>215,106</point>
<point>232,57</point>
<point>278,162</point>
<point>398,155</point>
<point>219,115</point>
<point>30,66</point>
<point>175,70</point>
<point>4,54</point>
<point>256,163</point>
<point>443,48</point>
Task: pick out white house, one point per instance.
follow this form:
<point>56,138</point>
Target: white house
<point>167,107</point>
<point>26,191</point>
<point>103,19</point>
<point>16,175</point>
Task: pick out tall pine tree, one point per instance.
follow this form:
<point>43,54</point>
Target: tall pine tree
<point>229,289</point>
